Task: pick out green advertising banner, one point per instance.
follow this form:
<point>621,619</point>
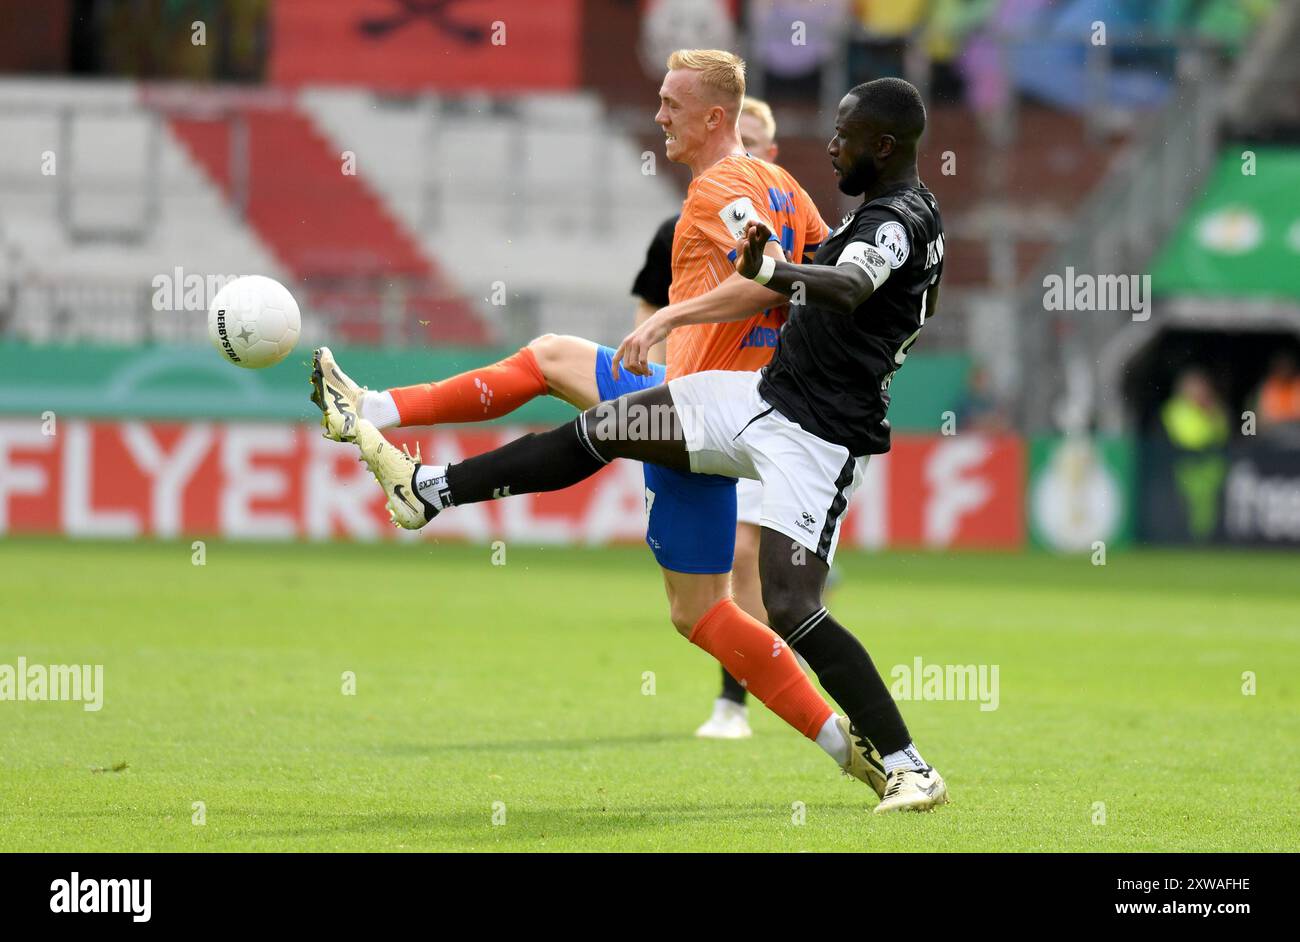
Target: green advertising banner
<point>191,382</point>
<point>188,382</point>
<point>1241,239</point>
<point>1081,492</point>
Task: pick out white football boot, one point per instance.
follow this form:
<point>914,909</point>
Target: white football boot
<point>865,763</point>
<point>336,395</point>
<point>394,468</point>
<point>913,790</point>
<point>729,720</point>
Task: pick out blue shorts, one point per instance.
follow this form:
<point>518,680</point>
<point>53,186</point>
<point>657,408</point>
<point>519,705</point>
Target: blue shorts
<point>692,516</point>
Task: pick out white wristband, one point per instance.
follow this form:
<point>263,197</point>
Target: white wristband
<point>766,270</point>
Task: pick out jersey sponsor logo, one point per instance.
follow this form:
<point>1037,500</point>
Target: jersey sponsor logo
<point>760,337</point>
<point>781,202</point>
<point>892,237</point>
<point>737,214</point>
<point>868,258</point>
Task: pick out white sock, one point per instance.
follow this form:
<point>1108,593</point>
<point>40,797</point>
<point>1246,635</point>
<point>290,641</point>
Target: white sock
<point>905,758</point>
<point>431,485</point>
<point>379,409</point>
<point>833,742</point>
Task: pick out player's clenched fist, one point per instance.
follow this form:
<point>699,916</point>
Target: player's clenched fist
<point>749,249</point>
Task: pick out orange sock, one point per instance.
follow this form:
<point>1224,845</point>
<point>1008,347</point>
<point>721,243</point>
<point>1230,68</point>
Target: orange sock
<point>475,396</point>
<point>759,659</point>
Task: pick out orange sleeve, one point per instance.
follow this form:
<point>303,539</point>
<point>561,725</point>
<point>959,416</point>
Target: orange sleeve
<point>724,202</point>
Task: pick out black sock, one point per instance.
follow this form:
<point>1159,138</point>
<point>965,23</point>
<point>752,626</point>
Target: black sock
<point>732,689</point>
<point>844,669</point>
<point>546,461</point>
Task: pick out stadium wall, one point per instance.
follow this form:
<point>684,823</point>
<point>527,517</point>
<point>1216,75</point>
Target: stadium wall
<point>174,381</point>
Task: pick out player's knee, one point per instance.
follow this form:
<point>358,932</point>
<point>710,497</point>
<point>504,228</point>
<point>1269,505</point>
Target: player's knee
<point>687,608</point>
<point>685,615</point>
<point>683,620</point>
<point>786,609</point>
<point>547,350</point>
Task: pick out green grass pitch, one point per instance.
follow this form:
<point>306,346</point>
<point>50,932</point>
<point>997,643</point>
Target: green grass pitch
<point>516,691</point>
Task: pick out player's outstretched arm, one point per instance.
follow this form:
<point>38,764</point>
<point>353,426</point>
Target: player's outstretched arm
<point>841,287</point>
<point>734,299</point>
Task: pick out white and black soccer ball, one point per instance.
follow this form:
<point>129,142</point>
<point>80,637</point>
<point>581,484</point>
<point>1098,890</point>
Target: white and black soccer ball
<point>254,322</point>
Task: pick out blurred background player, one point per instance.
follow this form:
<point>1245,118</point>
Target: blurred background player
<point>730,718</point>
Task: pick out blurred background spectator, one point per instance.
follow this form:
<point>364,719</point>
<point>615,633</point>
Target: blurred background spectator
<point>1277,404</point>
<point>1194,419</point>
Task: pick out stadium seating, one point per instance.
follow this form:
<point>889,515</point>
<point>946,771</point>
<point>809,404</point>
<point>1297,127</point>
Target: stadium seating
<point>542,194</point>
<point>89,274</point>
<point>531,197</point>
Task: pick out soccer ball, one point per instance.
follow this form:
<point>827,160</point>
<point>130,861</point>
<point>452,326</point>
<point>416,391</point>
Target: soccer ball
<point>254,322</point>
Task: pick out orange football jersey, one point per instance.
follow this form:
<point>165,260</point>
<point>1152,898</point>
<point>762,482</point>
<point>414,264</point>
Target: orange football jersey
<point>719,203</point>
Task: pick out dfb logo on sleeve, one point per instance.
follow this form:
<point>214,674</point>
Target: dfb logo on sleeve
<point>737,214</point>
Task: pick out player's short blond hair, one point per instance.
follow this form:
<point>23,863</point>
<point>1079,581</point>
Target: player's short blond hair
<point>763,112</point>
<point>721,71</point>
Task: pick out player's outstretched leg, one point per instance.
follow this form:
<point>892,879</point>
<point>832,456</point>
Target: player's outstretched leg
<point>561,366</point>
<point>641,426</point>
<point>793,582</point>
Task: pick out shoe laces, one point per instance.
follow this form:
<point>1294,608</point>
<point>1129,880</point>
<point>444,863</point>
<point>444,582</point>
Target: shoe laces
<point>370,462</point>
<point>896,779</point>
<point>895,783</point>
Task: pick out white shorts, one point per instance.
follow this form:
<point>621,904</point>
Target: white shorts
<point>730,430</point>
<point>749,501</point>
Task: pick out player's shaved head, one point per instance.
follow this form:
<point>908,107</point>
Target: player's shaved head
<point>892,105</point>
<point>877,129</point>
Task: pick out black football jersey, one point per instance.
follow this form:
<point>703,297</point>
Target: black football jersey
<point>831,372</point>
<point>656,274</point>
